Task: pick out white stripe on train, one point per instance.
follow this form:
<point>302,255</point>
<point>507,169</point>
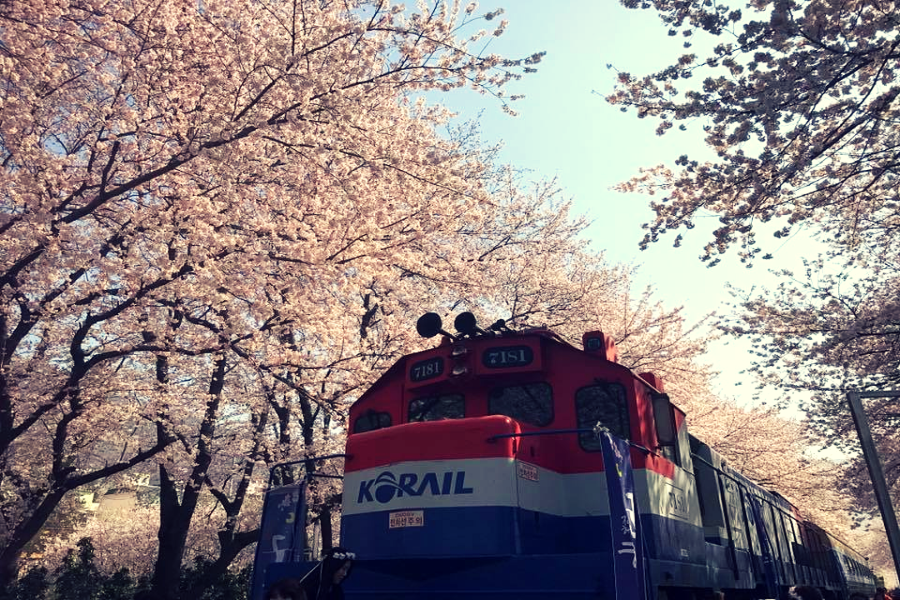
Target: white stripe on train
<point>510,483</point>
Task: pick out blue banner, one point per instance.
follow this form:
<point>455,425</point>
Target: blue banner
<point>281,533</point>
<point>765,544</point>
<point>624,519</point>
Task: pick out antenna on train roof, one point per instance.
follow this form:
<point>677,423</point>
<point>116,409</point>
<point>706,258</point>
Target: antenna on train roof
<point>430,324</point>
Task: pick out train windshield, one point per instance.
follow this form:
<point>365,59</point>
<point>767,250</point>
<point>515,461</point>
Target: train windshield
<point>435,408</point>
<point>602,403</point>
<point>530,403</point>
<point>371,420</point>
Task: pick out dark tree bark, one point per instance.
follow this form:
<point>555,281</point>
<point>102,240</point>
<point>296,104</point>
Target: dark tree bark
<point>64,481</point>
<point>174,516</point>
<point>232,541</point>
<point>63,477</point>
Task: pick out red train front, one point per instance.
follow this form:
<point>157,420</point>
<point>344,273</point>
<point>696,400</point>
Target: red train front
<point>473,469</point>
<point>483,448</point>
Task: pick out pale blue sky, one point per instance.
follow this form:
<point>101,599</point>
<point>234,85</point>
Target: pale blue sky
<point>565,130</point>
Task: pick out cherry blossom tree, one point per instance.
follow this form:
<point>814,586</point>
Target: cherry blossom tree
<point>190,186</point>
<point>217,226</point>
<point>796,99</point>
<point>818,335</point>
<point>122,540</point>
<point>797,103</point>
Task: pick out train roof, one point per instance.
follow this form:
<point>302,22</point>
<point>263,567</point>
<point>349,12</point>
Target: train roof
<point>595,343</point>
<point>708,454</point>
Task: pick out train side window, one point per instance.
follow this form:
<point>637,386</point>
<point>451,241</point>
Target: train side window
<point>666,432</point>
<point>799,550</point>
<point>371,420</point>
<point>530,403</point>
<point>436,408</point>
<point>604,403</point>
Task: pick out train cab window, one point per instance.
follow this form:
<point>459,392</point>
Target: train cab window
<point>604,403</point>
<point>666,431</point>
<point>371,420</point>
<point>436,408</point>
<point>530,403</point>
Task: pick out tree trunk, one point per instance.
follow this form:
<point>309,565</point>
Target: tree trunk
<point>27,529</point>
<point>64,480</point>
<point>227,553</point>
<point>172,537</point>
<point>232,541</point>
<point>326,528</point>
<point>174,517</point>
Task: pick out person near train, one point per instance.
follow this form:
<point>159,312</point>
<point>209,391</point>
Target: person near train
<point>324,581</point>
<point>804,592</point>
<point>286,589</point>
<point>882,594</point>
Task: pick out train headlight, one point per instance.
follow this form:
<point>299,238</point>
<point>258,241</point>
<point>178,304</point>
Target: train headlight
<point>466,324</point>
<point>429,325</point>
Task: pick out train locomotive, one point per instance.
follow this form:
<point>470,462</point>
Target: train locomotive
<point>511,464</point>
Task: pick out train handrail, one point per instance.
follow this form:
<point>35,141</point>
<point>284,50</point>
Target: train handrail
<point>306,460</point>
<point>502,436</point>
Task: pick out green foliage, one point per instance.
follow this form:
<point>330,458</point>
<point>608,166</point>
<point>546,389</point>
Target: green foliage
<point>118,585</point>
<point>230,586</point>
<point>78,578</point>
<point>34,585</point>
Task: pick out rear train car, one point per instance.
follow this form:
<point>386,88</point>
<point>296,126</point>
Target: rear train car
<point>474,470</point>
